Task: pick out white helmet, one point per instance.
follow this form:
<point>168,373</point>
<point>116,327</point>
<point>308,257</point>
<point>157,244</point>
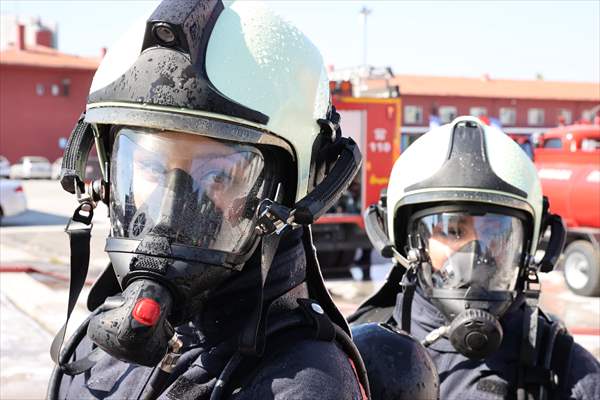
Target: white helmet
<point>216,124</point>
<point>237,63</point>
<point>492,169</point>
<point>464,211</point>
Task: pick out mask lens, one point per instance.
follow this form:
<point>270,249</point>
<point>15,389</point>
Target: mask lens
<point>466,250</point>
<point>192,189</point>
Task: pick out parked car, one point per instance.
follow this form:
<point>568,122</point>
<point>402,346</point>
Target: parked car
<point>31,167</point>
<point>92,169</point>
<point>4,167</point>
<point>56,167</point>
<point>12,198</point>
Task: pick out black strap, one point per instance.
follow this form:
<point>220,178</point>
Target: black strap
<point>409,284</point>
<point>323,327</point>
<point>79,239</point>
<point>561,361</point>
<point>530,340</point>
<point>252,337</point>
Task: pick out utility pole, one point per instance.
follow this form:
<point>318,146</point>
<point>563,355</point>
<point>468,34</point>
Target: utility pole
<point>365,12</point>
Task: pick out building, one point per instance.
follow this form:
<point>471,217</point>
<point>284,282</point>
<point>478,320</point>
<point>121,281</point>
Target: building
<point>42,93</point>
<point>518,106</point>
<point>37,32</point>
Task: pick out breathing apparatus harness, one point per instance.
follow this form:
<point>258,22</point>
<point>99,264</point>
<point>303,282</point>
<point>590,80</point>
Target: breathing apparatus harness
<point>143,318</point>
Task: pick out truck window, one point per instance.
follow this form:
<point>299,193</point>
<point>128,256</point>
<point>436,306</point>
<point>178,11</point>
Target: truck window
<point>554,143</point>
<point>590,144</point>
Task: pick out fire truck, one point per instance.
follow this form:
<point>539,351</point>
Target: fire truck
<point>568,163</point>
<point>374,124</point>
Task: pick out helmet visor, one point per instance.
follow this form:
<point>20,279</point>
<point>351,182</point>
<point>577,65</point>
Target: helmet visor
<point>465,250</point>
<point>189,188</point>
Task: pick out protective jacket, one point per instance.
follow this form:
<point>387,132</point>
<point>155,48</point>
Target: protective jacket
<point>577,372</point>
<point>302,362</point>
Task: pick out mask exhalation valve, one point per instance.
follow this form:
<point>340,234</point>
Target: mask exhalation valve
<point>475,333</point>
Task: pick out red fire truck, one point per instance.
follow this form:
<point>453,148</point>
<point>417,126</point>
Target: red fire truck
<point>374,123</point>
<point>568,163</point>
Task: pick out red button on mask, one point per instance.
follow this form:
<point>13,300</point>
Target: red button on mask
<point>146,311</point>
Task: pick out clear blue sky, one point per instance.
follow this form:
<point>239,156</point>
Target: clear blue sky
<point>506,39</point>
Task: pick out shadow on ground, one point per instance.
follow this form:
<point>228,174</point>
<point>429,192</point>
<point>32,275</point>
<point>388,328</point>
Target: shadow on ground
<point>32,217</point>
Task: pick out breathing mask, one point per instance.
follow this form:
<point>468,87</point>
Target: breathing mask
<point>183,213</point>
<point>469,267</point>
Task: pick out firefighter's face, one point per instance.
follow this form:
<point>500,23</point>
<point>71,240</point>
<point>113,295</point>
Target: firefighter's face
<point>215,167</point>
<point>448,237</point>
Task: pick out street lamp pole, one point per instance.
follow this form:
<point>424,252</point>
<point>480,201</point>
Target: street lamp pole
<point>364,11</point>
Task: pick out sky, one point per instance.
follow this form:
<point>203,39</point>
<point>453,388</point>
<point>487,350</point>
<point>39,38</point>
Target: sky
<point>559,40</point>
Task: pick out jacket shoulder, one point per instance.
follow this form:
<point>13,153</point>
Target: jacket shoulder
<point>307,369</point>
<point>583,380</point>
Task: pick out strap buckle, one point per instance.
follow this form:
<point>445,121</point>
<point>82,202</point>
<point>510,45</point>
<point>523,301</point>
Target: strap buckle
<point>80,216</point>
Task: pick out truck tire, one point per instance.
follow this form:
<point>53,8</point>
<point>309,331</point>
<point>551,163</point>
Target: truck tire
<point>582,268</point>
<point>337,263</point>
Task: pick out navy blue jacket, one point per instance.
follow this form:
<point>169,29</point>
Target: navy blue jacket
<point>308,369</point>
<point>496,376</point>
<point>300,369</point>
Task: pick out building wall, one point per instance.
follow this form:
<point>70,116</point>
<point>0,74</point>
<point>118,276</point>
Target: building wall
<point>32,124</point>
<point>463,104</point>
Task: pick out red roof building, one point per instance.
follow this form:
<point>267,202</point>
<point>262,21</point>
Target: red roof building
<point>518,106</point>
<point>42,93</point>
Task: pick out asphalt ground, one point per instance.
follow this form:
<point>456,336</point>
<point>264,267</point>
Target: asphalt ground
<point>33,304</point>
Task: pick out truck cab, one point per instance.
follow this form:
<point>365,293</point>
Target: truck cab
<point>375,125</point>
<point>568,163</point>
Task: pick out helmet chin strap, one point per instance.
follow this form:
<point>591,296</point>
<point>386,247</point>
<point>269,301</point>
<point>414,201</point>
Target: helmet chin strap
<point>252,337</point>
<point>413,260</point>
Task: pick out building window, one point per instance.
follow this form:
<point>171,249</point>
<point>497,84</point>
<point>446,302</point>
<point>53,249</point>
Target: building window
<point>413,114</point>
<point>535,116</point>
<point>66,87</point>
<point>590,144</point>
<point>565,116</point>
<point>447,114</point>
<point>54,89</point>
<point>39,89</point>
<point>478,111</point>
<point>586,115</point>
<point>508,116</point>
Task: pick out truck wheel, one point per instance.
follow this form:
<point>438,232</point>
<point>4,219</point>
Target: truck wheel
<point>336,264</point>
<point>582,268</point>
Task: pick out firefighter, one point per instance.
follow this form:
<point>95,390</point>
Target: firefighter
<point>463,226</point>
<point>219,147</point>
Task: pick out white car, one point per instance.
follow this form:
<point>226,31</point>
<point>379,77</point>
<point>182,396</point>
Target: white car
<point>4,167</point>
<point>56,168</point>
<point>31,167</point>
<point>12,198</point>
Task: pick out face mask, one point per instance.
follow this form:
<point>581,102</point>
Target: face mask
<point>469,268</point>
<point>474,332</point>
<point>178,234</point>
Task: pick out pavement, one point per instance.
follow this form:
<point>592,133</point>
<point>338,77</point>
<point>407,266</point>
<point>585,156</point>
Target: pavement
<point>33,304</point>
